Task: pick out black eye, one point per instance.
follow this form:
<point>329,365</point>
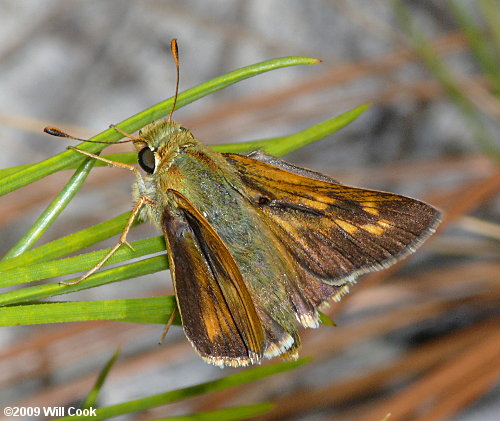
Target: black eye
<point>146,160</point>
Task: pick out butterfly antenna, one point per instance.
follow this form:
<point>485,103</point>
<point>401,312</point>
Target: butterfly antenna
<point>175,55</point>
<point>54,131</point>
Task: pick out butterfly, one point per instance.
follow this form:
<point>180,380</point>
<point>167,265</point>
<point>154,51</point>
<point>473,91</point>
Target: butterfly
<point>256,245</point>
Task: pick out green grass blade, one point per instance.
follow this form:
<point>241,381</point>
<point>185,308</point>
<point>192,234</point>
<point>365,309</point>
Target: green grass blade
<point>491,14</point>
<point>4,172</point>
<point>280,146</point>
<point>50,214</point>
<point>482,50</point>
<point>150,310</point>
<point>126,157</point>
<point>68,244</point>
<point>91,398</point>
<point>68,158</point>
<point>142,404</point>
<point>103,277</point>
<point>80,263</point>
<point>243,412</point>
<point>326,320</point>
<point>286,144</point>
<point>453,89</point>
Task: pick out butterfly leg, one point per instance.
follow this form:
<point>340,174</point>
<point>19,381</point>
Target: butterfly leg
<point>142,200</point>
<point>167,326</point>
<point>123,239</point>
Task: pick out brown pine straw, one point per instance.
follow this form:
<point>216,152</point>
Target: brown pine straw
<point>340,74</point>
<point>125,368</point>
<point>341,394</point>
<point>465,394</point>
<point>441,384</point>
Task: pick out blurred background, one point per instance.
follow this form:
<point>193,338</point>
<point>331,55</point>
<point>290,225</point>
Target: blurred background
<point>419,341</point>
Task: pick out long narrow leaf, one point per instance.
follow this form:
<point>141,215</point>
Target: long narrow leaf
<point>69,244</point>
<point>249,375</point>
<point>482,50</point>
<point>91,398</point>
<point>152,310</point>
<point>50,214</point>
<point>131,270</point>
<point>442,73</point>
<point>80,263</point>
<point>285,144</point>
<point>66,159</point>
<point>280,146</point>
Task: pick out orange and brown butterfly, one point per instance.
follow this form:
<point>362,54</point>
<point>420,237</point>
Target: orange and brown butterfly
<point>256,245</point>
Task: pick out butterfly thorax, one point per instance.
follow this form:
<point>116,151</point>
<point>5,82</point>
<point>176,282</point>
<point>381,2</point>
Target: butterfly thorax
<point>185,165</point>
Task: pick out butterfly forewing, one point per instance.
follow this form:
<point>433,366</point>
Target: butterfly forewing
<point>335,232</point>
<point>216,308</point>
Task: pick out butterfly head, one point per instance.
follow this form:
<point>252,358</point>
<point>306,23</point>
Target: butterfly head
<point>159,142</point>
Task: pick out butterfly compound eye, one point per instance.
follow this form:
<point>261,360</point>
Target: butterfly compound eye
<point>146,160</point>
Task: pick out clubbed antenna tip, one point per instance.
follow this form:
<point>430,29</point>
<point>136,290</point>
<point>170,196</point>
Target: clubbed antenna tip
<point>175,55</point>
